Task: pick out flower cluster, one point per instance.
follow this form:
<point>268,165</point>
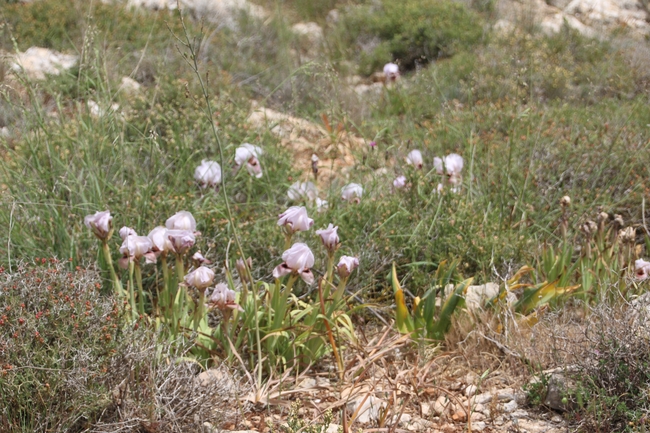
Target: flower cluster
<point>299,259</point>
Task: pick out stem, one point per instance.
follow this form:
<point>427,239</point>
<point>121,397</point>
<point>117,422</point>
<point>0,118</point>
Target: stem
<point>138,279</point>
<point>330,335</point>
<point>329,274</point>
<point>193,62</point>
<point>180,268</point>
<point>287,239</point>
<point>131,290</point>
<point>338,294</point>
<point>165,294</point>
<point>198,310</point>
<point>117,284</point>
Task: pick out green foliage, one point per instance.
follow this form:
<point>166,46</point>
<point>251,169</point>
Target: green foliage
<point>429,320</point>
<point>409,32</point>
<point>297,423</point>
<point>69,362</point>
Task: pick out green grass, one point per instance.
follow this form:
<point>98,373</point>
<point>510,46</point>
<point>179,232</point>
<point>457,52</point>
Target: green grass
<point>534,117</point>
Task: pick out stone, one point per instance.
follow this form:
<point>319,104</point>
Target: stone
<point>478,426</point>
<point>519,413</point>
<point>441,405</point>
<point>558,390</point>
<point>129,86</point>
<point>425,408</point>
<point>483,398</point>
<point>38,62</point>
<point>223,12</point>
<point>370,410</point>
<point>311,37</point>
<point>405,418</point>
<point>510,406</point>
<point>471,390</point>
<point>332,428</point>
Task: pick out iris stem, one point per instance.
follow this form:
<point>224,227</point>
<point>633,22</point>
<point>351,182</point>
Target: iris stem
<point>138,279</point>
<point>117,284</point>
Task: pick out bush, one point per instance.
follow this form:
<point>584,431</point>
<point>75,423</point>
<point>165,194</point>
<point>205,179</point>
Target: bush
<point>68,362</point>
<point>409,32</point>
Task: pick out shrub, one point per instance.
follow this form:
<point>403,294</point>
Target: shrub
<point>68,362</point>
<point>409,32</point>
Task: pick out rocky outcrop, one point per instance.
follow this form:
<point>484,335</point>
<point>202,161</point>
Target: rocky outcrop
<point>37,63</point>
<point>589,17</point>
<point>223,12</point>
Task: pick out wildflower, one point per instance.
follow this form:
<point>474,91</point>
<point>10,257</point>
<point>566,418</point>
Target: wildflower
<point>352,192</point>
<point>641,269</point>
<point>414,158</point>
<point>391,71</point>
<point>240,265</point>
<point>329,237</point>
<point>565,201</point>
<point>208,174</point>
<point>182,220</point>
<point>200,278</point>
<point>127,231</point>
<point>249,154</point>
<point>181,240</point>
<point>134,248</point>
<point>160,241</point>
<point>295,219</point>
<point>454,165</point>
<point>321,204</point>
<point>372,144</point>
<point>101,224</point>
<point>314,164</point>
<point>298,260</point>
<point>346,265</point>
<point>223,298</point>
<point>302,191</point>
<point>399,182</point>
<point>199,258</point>
<point>438,165</point>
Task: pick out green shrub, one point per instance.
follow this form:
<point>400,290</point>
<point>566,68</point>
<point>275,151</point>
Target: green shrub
<point>409,32</point>
<point>68,362</point>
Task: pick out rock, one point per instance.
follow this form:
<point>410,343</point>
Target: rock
<point>332,428</point>
<point>311,37</point>
<point>505,394</point>
<point>441,405</point>
<point>405,418</point>
<point>38,62</point>
<point>535,426</point>
<point>426,409</point>
<point>370,408</point>
<point>333,17</point>
<point>558,391</point>
<point>129,86</point>
<point>471,390</point>
<point>224,12</point>
<point>97,111</point>
<point>478,426</point>
<point>216,377</point>
<point>607,13</point>
<point>484,398</point>
<point>477,296</point>
<point>519,413</point>
<point>510,406</point>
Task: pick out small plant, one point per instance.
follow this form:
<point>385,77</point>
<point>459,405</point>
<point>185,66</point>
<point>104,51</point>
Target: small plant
<point>410,32</point>
<point>428,319</point>
<point>296,423</point>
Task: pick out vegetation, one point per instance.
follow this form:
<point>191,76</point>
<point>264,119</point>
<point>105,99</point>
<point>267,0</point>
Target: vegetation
<point>550,202</point>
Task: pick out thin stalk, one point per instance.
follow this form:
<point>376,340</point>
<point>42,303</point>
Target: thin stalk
<point>330,335</point>
<point>193,62</point>
<point>198,310</point>
<point>131,290</point>
<point>117,284</point>
<point>138,279</point>
<point>329,273</point>
<point>165,295</point>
